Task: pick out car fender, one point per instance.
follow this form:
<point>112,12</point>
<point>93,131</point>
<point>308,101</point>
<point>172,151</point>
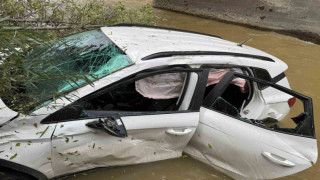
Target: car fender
<point>24,169</point>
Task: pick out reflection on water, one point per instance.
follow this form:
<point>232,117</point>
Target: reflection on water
<point>303,60</point>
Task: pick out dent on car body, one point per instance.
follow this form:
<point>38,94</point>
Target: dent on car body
<point>222,152</point>
<point>245,149</point>
<point>24,135</point>
<point>77,147</point>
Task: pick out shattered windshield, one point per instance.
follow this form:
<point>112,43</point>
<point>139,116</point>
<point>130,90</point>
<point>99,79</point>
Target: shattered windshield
<point>72,62</point>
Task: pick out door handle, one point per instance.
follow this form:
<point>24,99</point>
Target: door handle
<point>277,159</point>
<point>179,132</point>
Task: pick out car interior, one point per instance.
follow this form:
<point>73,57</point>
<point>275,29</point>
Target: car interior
<point>297,121</point>
<point>126,98</point>
<point>234,97</point>
<point>156,93</point>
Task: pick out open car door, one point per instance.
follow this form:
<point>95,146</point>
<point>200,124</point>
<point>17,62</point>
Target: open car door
<point>256,147</point>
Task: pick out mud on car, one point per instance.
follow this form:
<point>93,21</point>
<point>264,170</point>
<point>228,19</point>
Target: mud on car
<point>160,92</point>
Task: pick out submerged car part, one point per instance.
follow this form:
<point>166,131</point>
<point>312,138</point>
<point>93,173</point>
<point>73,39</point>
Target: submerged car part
<point>251,149</point>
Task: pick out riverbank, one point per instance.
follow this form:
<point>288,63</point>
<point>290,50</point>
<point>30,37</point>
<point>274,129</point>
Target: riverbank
<point>296,18</point>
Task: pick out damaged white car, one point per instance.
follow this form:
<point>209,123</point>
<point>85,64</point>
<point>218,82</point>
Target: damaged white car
<point>161,92</point>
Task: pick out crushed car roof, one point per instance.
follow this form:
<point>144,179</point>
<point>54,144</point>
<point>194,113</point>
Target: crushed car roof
<point>145,42</point>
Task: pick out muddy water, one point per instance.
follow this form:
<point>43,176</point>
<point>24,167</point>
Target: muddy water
<point>303,60</point>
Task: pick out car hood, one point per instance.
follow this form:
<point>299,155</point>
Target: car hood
<point>5,113</point>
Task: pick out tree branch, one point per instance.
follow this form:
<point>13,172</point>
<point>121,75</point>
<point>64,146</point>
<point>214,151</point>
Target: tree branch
<point>54,28</point>
<point>35,21</point>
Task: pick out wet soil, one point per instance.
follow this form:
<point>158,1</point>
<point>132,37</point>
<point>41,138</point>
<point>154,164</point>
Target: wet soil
<point>303,59</point>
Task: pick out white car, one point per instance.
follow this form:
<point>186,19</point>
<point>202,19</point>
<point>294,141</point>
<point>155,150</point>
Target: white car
<point>160,92</point>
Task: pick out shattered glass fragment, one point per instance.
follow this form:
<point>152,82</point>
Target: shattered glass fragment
<point>223,106</point>
<point>72,62</point>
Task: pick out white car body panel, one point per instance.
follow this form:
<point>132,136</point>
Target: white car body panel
<point>6,113</point>
<point>237,147</point>
<point>27,142</point>
<point>268,103</point>
<point>139,42</point>
<point>77,147</point>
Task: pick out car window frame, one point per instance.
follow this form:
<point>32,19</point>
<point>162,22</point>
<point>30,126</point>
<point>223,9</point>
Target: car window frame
<point>307,101</point>
<point>132,78</point>
<point>245,70</point>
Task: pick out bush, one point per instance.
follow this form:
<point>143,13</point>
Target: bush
<point>26,24</point>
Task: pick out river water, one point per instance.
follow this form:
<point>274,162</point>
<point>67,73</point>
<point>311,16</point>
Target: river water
<point>303,59</point>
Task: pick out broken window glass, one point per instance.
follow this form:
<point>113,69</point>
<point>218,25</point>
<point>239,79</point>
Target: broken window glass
<point>72,62</point>
<point>224,106</point>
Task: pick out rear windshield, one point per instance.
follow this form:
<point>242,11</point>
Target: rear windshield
<point>89,54</point>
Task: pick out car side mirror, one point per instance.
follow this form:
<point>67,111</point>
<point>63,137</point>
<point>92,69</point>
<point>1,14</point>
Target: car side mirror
<point>112,125</point>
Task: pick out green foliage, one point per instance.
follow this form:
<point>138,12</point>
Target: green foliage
<point>15,45</point>
<point>70,16</point>
<point>25,24</point>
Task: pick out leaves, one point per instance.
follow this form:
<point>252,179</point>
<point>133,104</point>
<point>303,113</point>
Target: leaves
<point>13,156</point>
<point>4,19</point>
<point>17,42</point>
<point>51,15</point>
<point>71,153</point>
<point>44,131</point>
<point>70,164</point>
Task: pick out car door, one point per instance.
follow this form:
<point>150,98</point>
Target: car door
<point>112,138</point>
<point>251,148</point>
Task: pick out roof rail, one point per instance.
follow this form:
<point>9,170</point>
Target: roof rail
<point>208,53</point>
<point>165,28</point>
